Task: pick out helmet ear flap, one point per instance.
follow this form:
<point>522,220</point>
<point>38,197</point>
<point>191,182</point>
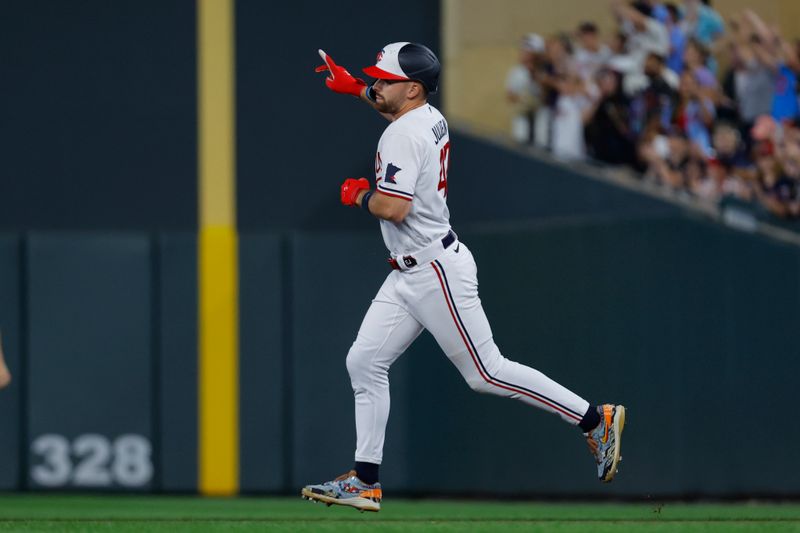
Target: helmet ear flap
<point>421,64</point>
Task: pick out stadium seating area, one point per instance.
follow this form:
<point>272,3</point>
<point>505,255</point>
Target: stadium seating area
<point>702,106</point>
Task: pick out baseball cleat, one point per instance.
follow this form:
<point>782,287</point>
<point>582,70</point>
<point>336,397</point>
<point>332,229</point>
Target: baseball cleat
<point>605,440</point>
<point>348,490</point>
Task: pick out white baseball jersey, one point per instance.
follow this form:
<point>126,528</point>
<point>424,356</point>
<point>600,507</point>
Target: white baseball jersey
<point>437,292</point>
<point>411,163</point>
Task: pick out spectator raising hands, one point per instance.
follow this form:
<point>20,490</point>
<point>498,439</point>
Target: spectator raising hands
<point>522,89</point>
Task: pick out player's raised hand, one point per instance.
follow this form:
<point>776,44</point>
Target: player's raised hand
<point>339,80</point>
<point>350,189</point>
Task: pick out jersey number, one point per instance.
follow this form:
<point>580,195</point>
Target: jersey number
<point>444,165</point>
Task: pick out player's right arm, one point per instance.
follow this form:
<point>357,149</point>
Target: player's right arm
<point>340,81</point>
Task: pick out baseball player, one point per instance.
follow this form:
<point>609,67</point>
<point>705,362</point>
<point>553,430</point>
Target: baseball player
<point>5,375</point>
<point>433,284</point>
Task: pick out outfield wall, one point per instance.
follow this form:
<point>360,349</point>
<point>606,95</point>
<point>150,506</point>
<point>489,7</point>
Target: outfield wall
<point>619,296</point>
<point>693,326</point>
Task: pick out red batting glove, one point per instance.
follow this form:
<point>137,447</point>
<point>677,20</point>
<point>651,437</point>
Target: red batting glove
<point>340,81</point>
<point>350,189</point>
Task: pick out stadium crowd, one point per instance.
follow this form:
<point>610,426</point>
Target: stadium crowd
<point>703,106</point>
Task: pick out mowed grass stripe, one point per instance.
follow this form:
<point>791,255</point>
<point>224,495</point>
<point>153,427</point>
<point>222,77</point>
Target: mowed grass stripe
<point>407,520</point>
<point>478,526</point>
<point>75,512</point>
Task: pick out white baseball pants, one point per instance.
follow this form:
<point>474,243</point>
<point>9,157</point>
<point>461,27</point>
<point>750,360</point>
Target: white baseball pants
<point>442,297</point>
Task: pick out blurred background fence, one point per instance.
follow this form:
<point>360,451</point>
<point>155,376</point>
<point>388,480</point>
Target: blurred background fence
<point>616,294</point>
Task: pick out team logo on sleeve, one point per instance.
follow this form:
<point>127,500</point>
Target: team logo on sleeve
<point>391,170</point>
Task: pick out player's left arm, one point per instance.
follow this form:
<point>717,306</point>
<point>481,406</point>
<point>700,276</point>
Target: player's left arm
<point>383,206</point>
<point>386,207</point>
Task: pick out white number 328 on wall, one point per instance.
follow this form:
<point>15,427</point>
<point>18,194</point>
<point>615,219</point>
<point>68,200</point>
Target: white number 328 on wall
<point>92,460</point>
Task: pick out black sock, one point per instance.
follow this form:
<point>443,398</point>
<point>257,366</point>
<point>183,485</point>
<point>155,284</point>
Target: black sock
<point>367,472</point>
<point>590,420</point>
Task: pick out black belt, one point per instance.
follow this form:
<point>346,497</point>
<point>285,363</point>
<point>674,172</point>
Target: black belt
<point>409,260</point>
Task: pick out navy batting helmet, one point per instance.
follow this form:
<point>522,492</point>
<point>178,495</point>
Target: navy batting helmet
<point>407,61</point>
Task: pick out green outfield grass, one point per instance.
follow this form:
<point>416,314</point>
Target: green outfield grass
<point>171,514</point>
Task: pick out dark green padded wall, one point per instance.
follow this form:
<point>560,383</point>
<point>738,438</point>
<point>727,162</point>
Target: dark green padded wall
<point>175,322</point>
<point>683,321</point>
<point>262,360</point>
<point>90,373</point>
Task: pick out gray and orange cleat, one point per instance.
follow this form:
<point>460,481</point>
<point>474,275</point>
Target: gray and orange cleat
<point>604,441</point>
<point>348,490</point>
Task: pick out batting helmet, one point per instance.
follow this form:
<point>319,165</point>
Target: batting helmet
<point>407,61</point>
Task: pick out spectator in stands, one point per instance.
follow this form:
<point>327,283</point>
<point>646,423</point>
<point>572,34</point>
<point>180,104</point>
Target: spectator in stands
<point>773,191</point>
<point>695,115</point>
<point>618,45</point>
<point>702,22</point>
<point>590,53</point>
<point>656,96</point>
<point>695,60</point>
<point>608,134</point>
<point>765,130</point>
<point>677,38</point>
<point>784,100</point>
<point>730,151</point>
<point>727,107</point>
<point>667,158</point>
<point>644,33</point>
<point>574,99</point>
<point>780,56</point>
<point>728,183</point>
<point>791,131</point>
<point>522,90</point>
<point>556,65</point>
<point>699,181</point>
<point>749,83</point>
<point>658,10</point>
<point>779,189</point>
<point>777,156</point>
<point>713,186</point>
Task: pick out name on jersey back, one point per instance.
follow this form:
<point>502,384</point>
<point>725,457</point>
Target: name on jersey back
<point>439,130</point>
